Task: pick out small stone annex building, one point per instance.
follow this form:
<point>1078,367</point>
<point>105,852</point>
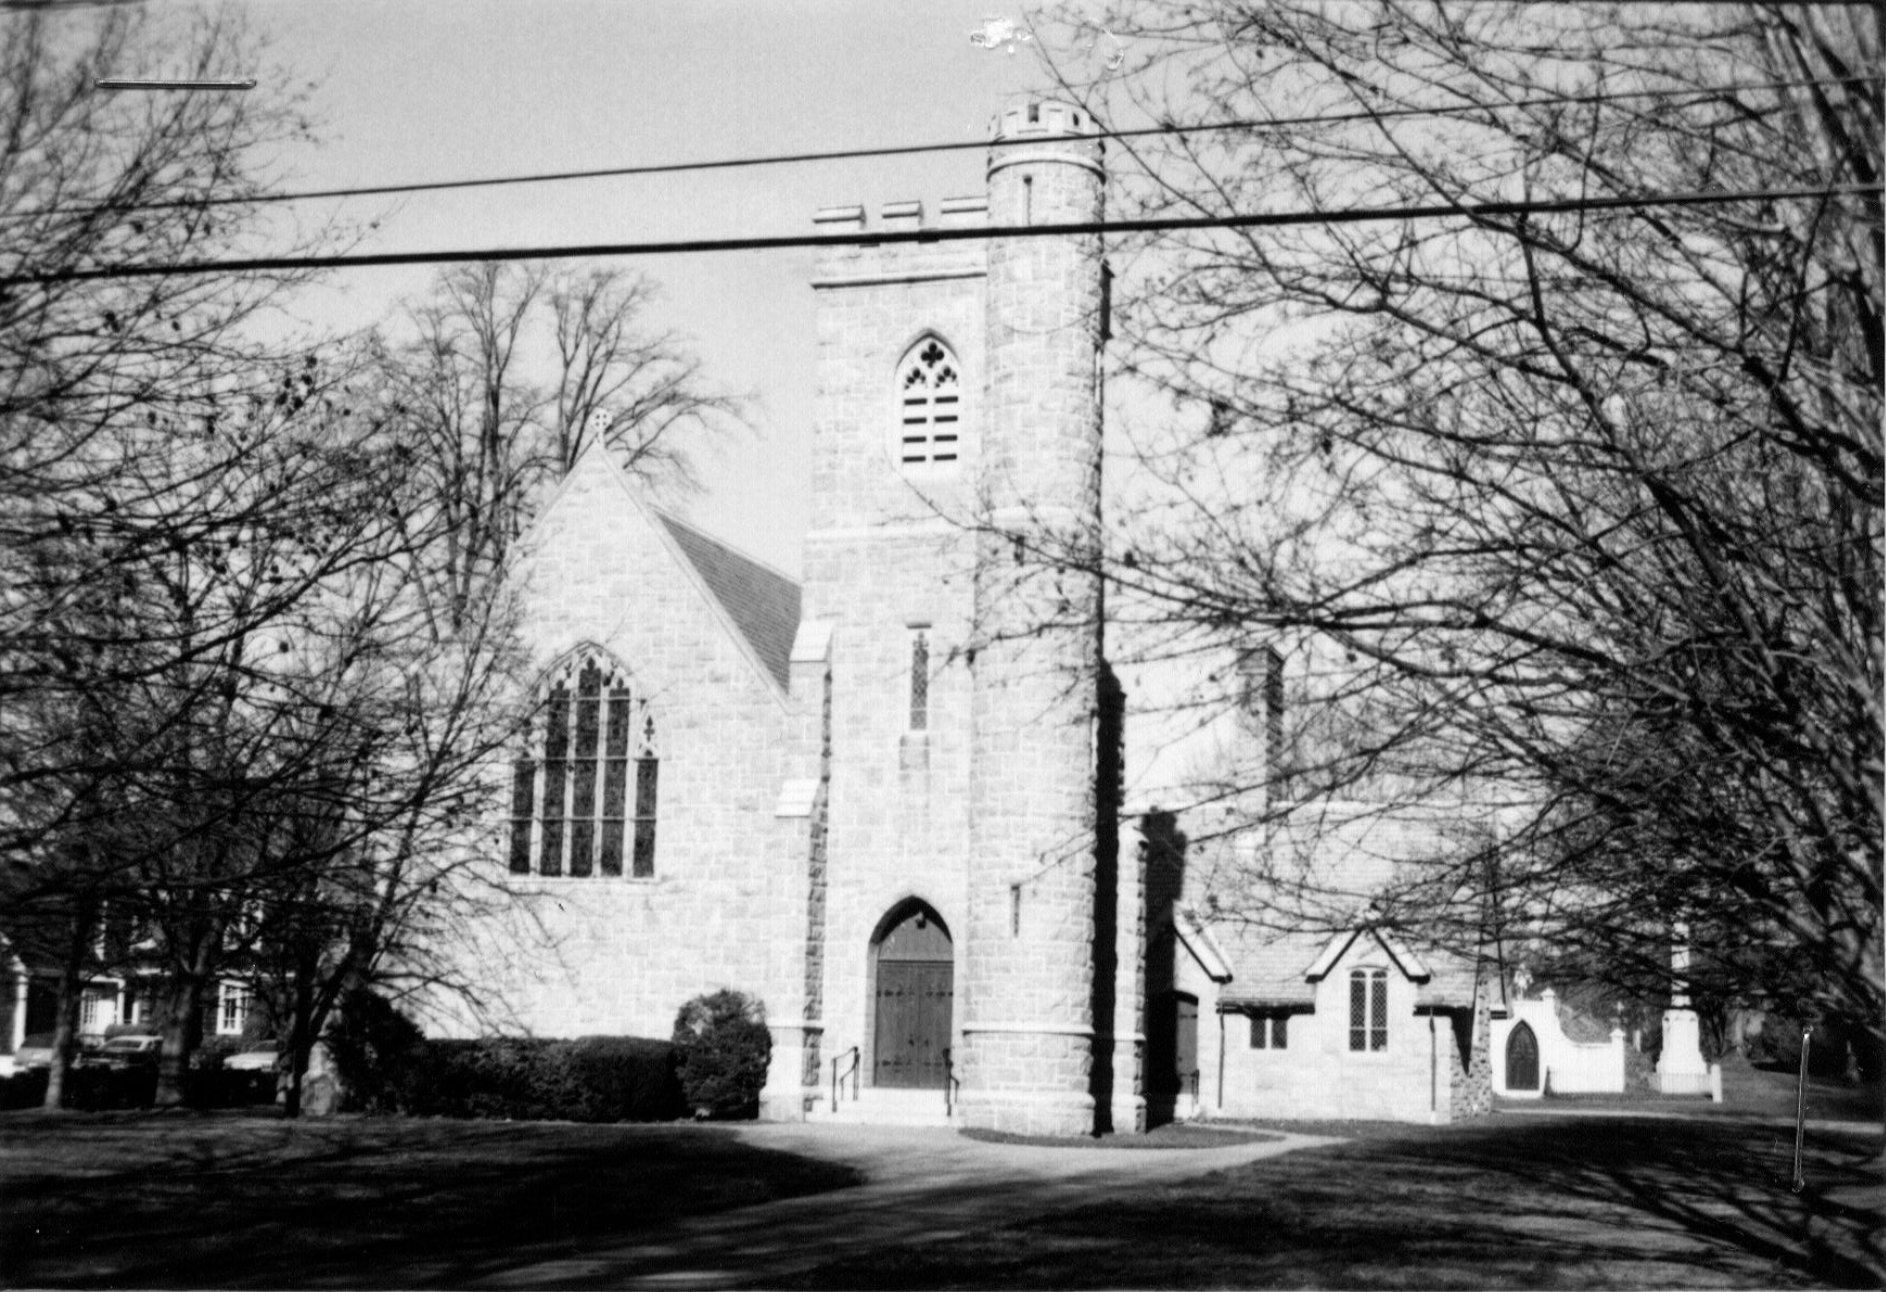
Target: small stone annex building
<point>882,800</point>
<point>1304,1009</point>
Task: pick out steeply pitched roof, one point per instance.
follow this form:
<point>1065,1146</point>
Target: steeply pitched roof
<point>1281,968</point>
<point>762,603</point>
<point>1316,891</point>
<point>1199,941</point>
<point>1405,960</point>
<point>1267,965</point>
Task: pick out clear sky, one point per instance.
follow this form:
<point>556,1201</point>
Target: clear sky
<point>430,90</point>
<point>438,91</point>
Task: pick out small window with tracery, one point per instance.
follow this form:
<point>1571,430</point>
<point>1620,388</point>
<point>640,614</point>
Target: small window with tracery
<point>1368,1009</point>
<point>929,405</point>
<point>920,677</point>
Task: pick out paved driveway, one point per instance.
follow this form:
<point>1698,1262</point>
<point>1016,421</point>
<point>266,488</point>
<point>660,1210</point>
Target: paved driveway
<point>921,1186</point>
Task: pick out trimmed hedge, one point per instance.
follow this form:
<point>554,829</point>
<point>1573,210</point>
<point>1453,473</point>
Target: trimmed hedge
<point>24,1089</point>
<point>88,1089</point>
<point>95,1089</point>
<point>591,1079</point>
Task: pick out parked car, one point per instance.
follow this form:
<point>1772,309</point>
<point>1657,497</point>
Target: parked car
<point>127,1052</point>
<point>258,1058</point>
<point>36,1051</point>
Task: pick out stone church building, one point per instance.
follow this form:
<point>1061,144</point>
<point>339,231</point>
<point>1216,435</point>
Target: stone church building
<point>884,800</point>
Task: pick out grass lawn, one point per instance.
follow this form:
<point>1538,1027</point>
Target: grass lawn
<point>1747,1091</point>
<point>249,1200</point>
<point>1505,1202</point>
<point>234,1200</point>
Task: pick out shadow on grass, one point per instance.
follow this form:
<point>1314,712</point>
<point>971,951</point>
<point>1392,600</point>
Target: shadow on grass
<point>1496,1204</point>
<point>227,1201</point>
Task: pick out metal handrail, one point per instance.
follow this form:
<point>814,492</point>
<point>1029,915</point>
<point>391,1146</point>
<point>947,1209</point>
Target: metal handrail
<point>949,1084</point>
<point>852,1072</point>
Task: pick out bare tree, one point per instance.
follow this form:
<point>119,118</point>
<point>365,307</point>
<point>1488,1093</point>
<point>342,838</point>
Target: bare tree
<point>495,381</point>
<point>1588,503</point>
<point>222,676</point>
<point>95,379</point>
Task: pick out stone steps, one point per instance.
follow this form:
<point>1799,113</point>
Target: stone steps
<point>885,1106</point>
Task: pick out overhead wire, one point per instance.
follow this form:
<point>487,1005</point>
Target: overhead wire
<point>1153,224</point>
<point>905,150</point>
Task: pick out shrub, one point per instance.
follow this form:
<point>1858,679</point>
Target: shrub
<point>208,1056</point>
<point>377,1051</point>
<point>722,1047</point>
<point>94,1089</point>
<point>24,1089</point>
<point>593,1079</point>
<point>1833,1052</point>
<point>218,1087</point>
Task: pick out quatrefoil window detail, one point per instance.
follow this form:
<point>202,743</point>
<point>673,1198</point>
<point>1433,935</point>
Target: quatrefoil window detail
<point>930,407</point>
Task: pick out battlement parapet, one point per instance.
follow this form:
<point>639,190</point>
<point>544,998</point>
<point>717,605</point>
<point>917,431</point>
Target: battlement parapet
<point>903,217</point>
<point>1034,118</point>
<point>1045,130</point>
<point>869,261</point>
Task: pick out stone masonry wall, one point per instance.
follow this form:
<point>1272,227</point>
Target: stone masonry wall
<point>887,552</point>
<point>726,906</point>
<point>1028,1003</point>
<point>1472,1082</point>
<point>1319,1076</point>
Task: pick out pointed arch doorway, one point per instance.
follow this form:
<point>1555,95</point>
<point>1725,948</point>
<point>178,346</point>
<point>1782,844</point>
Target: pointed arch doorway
<point>1522,1059</point>
<point>914,969</point>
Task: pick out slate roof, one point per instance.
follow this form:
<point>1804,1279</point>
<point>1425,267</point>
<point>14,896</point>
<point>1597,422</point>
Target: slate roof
<point>1315,899</point>
<point>762,603</point>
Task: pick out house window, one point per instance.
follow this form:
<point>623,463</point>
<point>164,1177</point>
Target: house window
<point>929,394</point>
<point>1368,1009</point>
<point>232,1012</point>
<point>571,807</point>
<point>1270,1031</point>
<point>920,678</point>
<point>94,1011</point>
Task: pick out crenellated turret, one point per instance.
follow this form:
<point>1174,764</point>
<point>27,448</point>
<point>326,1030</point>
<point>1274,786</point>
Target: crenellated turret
<point>1031,1008</point>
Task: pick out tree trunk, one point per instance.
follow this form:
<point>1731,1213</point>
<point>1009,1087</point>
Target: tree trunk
<point>182,1026</point>
<point>65,1030</point>
<point>300,1040</point>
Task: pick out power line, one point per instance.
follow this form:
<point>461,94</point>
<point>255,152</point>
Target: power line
<point>905,150</point>
<point>1151,224</point>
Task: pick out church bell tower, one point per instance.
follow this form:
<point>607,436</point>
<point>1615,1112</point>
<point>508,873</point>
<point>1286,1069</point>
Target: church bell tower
<point>1036,1014</point>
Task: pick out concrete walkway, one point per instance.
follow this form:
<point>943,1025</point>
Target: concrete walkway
<point>922,1186</point>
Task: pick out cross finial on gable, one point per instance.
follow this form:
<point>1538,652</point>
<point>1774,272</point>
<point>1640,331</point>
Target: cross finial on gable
<point>600,420</point>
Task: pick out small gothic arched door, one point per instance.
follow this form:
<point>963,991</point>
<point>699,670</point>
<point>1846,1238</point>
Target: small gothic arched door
<point>1522,1059</point>
<point>916,988</point>
<point>1171,1050</point>
<point>1185,1043</point>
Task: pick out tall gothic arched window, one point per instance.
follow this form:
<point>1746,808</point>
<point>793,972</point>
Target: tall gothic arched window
<point>571,811</point>
<point>930,402</point>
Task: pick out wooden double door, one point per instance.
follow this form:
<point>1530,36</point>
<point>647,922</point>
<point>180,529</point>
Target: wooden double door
<point>916,996</point>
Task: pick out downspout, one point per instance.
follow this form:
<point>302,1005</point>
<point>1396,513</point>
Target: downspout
<point>1434,1072</point>
<point>20,984</point>
<point>1220,1109</point>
